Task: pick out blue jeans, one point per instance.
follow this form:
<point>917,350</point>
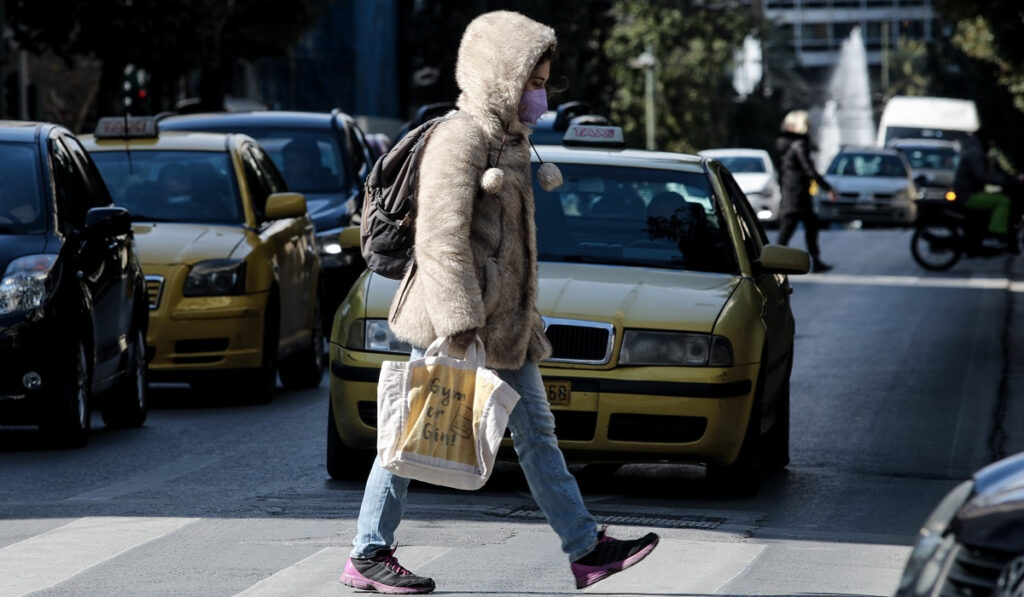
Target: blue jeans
<point>533,435</point>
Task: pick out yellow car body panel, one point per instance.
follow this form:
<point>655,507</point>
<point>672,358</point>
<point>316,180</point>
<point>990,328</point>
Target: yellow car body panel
<point>211,333</point>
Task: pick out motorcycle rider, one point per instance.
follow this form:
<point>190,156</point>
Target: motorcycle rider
<point>973,173</point>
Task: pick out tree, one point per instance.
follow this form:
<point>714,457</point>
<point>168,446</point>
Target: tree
<point>168,40</point>
<point>694,43</point>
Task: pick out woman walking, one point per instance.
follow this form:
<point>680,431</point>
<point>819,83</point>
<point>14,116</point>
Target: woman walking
<point>475,274</point>
<point>796,171</point>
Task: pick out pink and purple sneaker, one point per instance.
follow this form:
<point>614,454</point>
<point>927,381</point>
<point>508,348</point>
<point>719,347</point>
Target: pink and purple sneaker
<point>610,556</point>
<point>381,572</point>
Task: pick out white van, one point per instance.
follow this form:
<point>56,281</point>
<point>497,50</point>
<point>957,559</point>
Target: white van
<point>909,117</point>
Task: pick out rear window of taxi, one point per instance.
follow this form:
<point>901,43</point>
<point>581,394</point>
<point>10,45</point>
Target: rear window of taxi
<point>628,216</point>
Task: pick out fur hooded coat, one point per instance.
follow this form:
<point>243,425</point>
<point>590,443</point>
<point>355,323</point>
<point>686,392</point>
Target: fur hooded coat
<point>475,251</point>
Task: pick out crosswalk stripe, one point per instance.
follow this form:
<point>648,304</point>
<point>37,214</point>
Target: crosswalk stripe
<point>318,574</point>
<point>684,568</point>
<point>53,557</point>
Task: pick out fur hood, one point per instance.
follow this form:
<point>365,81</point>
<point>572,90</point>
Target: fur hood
<point>497,54</point>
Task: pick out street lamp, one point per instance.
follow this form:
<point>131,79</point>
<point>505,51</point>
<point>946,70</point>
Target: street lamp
<point>647,62</point>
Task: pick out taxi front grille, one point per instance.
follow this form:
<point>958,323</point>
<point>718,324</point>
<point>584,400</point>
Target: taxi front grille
<point>155,290</point>
<point>583,342</point>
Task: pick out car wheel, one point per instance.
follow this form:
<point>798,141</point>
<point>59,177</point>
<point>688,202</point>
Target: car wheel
<point>127,405</point>
<point>344,463</point>
<point>71,416</point>
<point>776,441</point>
<point>305,369</point>
<point>743,476</point>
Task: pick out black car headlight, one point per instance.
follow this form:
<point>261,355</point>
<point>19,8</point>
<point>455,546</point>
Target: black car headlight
<point>26,283</point>
<point>216,278</point>
<point>332,254</point>
<point>933,545</point>
<point>675,349</point>
<point>374,335</point>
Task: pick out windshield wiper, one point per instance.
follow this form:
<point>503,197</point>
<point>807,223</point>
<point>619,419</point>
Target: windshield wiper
<point>145,218</point>
<point>604,260</point>
<point>8,230</point>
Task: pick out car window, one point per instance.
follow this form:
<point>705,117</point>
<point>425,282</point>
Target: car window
<point>22,210</point>
<point>633,216</point>
<point>867,164</point>
<point>743,164</point>
<point>172,186</point>
<point>97,195</point>
<point>754,237</point>
<point>74,198</point>
<point>932,158</point>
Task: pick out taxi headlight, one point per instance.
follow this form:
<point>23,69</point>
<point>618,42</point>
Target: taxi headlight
<point>375,335</point>
<point>675,349</point>
<point>26,283</point>
<point>216,278</point>
<point>932,547</point>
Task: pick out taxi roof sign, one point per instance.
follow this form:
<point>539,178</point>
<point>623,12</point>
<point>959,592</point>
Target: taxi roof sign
<point>590,135</point>
<point>126,127</point>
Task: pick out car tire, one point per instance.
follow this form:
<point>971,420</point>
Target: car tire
<point>776,441</point>
<point>742,478</point>
<point>70,417</point>
<point>305,369</point>
<point>127,403</point>
<point>344,463</point>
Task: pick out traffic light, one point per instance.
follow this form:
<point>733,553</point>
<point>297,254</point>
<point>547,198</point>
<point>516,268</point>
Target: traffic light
<point>136,88</point>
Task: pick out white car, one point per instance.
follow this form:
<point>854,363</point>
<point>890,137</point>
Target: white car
<point>871,185</point>
<point>755,173</point>
<point>933,164</point>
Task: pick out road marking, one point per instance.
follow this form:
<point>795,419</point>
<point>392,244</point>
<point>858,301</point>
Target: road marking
<point>911,281</point>
<point>318,574</point>
<point>150,478</point>
<point>684,567</point>
<point>55,556</point>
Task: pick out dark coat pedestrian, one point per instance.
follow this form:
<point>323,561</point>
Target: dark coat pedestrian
<point>796,171</point>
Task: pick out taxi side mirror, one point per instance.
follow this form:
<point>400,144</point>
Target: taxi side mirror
<point>349,237</point>
<point>777,259</point>
<point>285,205</point>
<point>107,222</point>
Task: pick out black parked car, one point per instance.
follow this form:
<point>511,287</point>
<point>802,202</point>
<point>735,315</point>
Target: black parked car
<point>973,542</point>
<point>324,156</point>
<point>73,307</point>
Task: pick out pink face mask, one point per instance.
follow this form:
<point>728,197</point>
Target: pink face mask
<point>532,105</point>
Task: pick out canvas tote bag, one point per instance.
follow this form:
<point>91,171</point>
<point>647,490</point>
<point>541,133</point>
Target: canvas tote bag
<point>440,419</point>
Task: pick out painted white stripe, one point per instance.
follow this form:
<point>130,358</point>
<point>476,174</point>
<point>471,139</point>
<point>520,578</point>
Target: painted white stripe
<point>684,568</point>
<point>318,574</point>
<point>911,281</point>
<point>55,556</point>
<point>150,478</point>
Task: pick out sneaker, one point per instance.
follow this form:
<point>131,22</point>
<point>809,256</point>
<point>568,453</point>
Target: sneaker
<point>610,556</point>
<point>819,267</point>
<point>382,573</point>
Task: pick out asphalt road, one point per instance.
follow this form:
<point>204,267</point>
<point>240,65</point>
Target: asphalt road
<point>902,386</point>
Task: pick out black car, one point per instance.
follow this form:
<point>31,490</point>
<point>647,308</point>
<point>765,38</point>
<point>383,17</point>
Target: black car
<point>73,306</point>
<point>324,156</point>
<point>973,542</point>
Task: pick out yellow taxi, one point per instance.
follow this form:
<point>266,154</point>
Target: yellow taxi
<point>229,256</point>
<point>667,308</point>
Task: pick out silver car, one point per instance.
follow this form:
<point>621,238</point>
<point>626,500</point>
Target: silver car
<point>872,186</point>
<point>755,173</point>
<point>933,163</point>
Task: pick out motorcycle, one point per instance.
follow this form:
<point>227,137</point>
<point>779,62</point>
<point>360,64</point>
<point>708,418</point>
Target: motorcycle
<point>945,232</point>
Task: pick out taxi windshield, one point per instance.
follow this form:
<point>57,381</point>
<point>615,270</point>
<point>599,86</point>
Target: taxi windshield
<point>172,186</point>
<point>21,202</point>
<point>310,161</point>
<point>633,217</point>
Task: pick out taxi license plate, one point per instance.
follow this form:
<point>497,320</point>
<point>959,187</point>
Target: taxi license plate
<point>559,392</point>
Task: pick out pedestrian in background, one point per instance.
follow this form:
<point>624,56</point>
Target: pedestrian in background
<point>796,171</point>
<point>475,275</point>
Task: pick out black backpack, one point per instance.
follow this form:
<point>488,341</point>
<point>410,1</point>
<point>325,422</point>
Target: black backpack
<point>388,229</point>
